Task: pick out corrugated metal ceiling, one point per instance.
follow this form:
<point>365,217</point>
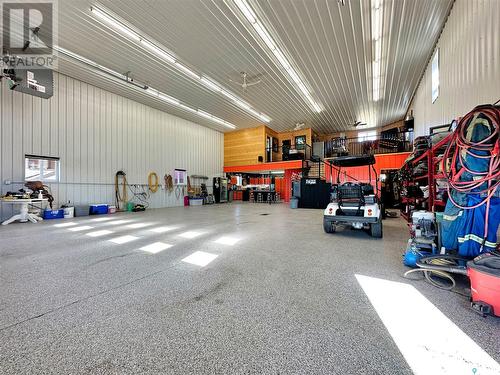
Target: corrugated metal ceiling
<point>330,45</point>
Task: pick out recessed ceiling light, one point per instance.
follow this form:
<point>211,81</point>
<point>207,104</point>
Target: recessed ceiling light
<point>121,27</point>
<point>150,91</point>
<point>268,40</point>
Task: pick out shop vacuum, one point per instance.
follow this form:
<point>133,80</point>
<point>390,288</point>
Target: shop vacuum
<point>484,274</point>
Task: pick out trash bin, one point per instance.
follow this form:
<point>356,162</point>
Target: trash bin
<point>294,202</point>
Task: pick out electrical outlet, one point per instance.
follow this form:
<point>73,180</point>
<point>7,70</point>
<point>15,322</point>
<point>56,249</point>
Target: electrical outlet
<point>7,182</point>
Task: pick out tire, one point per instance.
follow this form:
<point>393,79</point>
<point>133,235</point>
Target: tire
<point>376,229</point>
<point>328,226</point>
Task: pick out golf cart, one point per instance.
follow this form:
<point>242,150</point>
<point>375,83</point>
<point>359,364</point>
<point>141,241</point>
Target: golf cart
<point>354,203</point>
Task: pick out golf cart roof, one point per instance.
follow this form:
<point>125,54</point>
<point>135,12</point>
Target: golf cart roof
<point>353,161</point>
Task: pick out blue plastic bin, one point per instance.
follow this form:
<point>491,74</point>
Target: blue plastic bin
<point>53,214</point>
<point>98,209</point>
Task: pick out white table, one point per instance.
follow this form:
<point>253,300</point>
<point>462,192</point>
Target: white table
<point>23,216</point>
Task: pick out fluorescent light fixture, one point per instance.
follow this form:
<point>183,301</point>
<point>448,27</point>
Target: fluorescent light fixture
<point>99,233</point>
<point>162,229</point>
<point>200,258</point>
<point>115,24</point>
<point>169,57</point>
<point>278,172</point>
<point>64,225</point>
<point>211,85</point>
<point>186,70</point>
<point>268,40</point>
<point>158,51</point>
<point>150,91</point>
<point>123,239</point>
<point>155,247</point>
<point>440,348</point>
<point>139,225</point>
<point>376,19</point>
<point>247,11</point>
<point>190,234</point>
<point>231,241</point>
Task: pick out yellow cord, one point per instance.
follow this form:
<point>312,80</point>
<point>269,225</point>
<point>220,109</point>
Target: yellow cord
<point>153,187</point>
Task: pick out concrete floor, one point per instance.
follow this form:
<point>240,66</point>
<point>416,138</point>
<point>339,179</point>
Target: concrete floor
<point>282,299</point>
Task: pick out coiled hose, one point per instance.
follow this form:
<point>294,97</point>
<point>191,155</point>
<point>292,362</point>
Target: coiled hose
<point>439,266</point>
<point>488,149</point>
<point>153,182</point>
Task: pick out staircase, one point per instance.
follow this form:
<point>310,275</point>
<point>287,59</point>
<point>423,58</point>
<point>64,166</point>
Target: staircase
<point>315,169</point>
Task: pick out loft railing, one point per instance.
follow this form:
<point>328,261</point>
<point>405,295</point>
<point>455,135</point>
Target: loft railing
<point>380,144</point>
<point>288,152</point>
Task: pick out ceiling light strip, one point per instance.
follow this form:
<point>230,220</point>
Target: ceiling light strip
<point>268,40</point>
<point>376,19</point>
<point>148,90</point>
<point>169,57</point>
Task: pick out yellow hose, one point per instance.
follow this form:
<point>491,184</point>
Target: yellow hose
<point>153,187</point>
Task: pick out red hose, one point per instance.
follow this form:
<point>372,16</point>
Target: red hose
<point>462,147</point>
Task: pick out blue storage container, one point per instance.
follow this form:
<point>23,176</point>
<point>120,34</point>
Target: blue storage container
<point>53,214</point>
<point>98,209</point>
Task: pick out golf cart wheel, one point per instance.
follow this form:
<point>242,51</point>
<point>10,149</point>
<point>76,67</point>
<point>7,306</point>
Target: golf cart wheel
<point>376,229</point>
<point>328,226</point>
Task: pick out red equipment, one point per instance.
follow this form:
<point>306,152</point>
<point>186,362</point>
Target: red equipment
<point>484,274</point>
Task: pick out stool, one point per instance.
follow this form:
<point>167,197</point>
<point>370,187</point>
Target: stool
<point>259,197</point>
<point>277,198</point>
<point>251,197</point>
<point>269,198</point>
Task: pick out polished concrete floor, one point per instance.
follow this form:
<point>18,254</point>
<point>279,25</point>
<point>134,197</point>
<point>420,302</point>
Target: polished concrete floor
<point>225,289</point>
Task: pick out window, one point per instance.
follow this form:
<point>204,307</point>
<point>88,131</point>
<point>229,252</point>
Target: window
<point>435,76</point>
<point>41,168</point>
<point>180,177</point>
<point>367,136</point>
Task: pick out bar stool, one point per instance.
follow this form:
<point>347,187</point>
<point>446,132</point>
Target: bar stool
<point>251,197</point>
<point>259,197</point>
<point>269,198</point>
<point>277,198</point>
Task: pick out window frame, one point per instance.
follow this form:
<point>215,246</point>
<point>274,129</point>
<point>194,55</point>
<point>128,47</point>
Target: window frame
<point>42,160</point>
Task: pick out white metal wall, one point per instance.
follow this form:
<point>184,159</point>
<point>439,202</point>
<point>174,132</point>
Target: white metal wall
<point>96,133</point>
<point>469,54</point>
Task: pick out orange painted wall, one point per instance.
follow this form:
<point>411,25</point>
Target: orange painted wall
<point>385,161</point>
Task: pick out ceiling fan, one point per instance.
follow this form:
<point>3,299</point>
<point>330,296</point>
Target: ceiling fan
<point>247,80</point>
<point>358,123</point>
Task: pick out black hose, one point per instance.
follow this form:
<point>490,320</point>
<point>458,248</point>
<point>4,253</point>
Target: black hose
<point>424,263</point>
